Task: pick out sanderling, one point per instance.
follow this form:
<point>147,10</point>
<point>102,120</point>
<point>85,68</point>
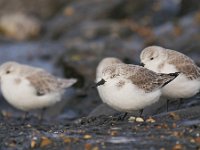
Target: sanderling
<point>126,87</point>
<point>27,88</point>
<point>162,60</point>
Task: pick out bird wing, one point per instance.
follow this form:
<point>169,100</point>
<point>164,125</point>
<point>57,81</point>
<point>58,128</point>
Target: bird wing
<point>43,82</point>
<point>143,78</point>
<point>184,65</point>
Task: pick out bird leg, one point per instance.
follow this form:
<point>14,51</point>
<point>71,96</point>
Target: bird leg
<point>141,111</point>
<point>167,105</point>
<point>25,117</point>
<point>41,117</point>
<point>180,103</point>
<point>123,116</point>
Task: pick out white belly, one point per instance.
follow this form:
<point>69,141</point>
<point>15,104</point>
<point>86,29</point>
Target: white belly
<point>23,96</point>
<point>181,87</point>
<point>128,98</point>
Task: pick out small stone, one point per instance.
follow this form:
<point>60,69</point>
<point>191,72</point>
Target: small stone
<point>150,120</point>
<point>131,119</point>
<point>174,116</point>
<point>67,140</point>
<point>113,133</point>
<point>45,141</point>
<point>177,31</point>
<point>197,17</point>
<point>164,126</point>
<point>69,11</point>
<point>6,114</point>
<point>87,136</point>
<point>197,140</point>
<point>192,140</point>
<point>19,26</point>
<point>174,125</point>
<point>177,147</point>
<point>33,144</point>
<point>95,148</point>
<point>12,143</point>
<point>139,119</point>
<point>28,125</point>
<point>177,134</point>
<point>88,146</point>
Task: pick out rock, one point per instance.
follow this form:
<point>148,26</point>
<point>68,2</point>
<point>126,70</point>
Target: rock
<point>146,12</point>
<point>181,35</point>
<point>75,13</point>
<point>43,9</point>
<point>139,119</point>
<point>188,6</point>
<point>20,26</point>
<point>131,119</point>
<point>150,120</point>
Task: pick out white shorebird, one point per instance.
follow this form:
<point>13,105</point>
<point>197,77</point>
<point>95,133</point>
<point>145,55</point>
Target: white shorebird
<point>126,87</point>
<point>27,88</point>
<point>162,60</point>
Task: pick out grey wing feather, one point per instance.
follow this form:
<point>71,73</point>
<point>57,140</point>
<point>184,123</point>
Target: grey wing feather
<point>184,64</point>
<point>144,78</point>
<point>44,82</point>
<point>65,83</point>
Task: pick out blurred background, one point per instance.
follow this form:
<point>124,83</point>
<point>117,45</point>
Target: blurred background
<point>69,37</point>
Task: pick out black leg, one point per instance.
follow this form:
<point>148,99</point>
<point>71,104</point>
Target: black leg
<point>122,117</point>
<point>141,111</point>
<point>167,105</point>
<point>41,117</point>
<point>180,103</point>
<point>25,117</point>
<point>125,114</point>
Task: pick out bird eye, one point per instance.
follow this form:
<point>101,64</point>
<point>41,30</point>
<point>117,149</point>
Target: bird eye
<point>7,72</point>
<point>151,58</point>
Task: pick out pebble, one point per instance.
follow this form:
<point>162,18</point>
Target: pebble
<point>131,119</point>
<point>139,119</point>
<point>150,120</point>
<point>20,26</point>
<point>87,136</point>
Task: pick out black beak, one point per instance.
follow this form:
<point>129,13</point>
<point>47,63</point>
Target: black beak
<point>142,64</point>
<point>100,82</point>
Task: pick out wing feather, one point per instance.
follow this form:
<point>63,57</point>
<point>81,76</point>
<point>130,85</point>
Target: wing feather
<point>139,76</point>
<point>184,64</point>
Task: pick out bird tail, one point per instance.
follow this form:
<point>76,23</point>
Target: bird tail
<point>65,83</point>
<point>169,77</point>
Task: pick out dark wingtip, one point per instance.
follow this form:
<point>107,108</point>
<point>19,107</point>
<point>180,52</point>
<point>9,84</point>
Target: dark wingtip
<point>175,74</point>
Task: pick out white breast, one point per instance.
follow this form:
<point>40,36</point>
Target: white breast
<point>127,98</point>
